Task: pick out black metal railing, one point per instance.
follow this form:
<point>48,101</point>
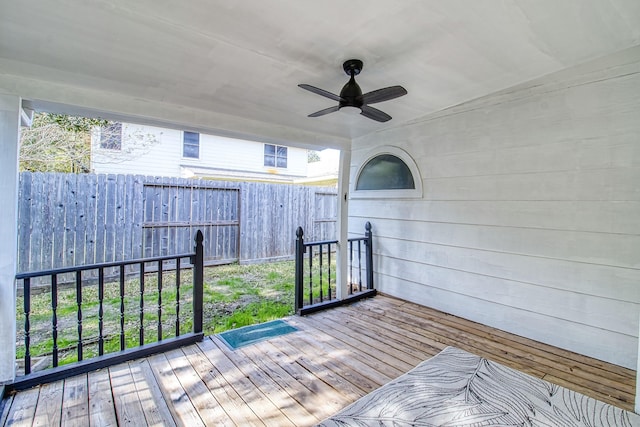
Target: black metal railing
<point>315,275</point>
<point>147,322</point>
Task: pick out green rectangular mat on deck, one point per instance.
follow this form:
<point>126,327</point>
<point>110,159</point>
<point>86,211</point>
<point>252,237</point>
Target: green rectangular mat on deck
<point>246,335</point>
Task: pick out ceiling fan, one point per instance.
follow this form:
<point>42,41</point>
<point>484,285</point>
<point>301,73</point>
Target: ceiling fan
<point>351,95</point>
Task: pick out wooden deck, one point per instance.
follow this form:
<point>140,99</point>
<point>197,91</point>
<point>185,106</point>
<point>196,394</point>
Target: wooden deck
<point>298,379</point>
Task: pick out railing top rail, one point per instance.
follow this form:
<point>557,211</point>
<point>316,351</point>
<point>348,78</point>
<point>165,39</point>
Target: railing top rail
<point>62,270</point>
<point>321,242</point>
<point>332,242</point>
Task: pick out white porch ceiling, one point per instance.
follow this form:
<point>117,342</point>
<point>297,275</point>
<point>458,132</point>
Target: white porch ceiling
<point>233,67</point>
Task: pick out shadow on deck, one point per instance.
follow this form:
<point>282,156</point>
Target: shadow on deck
<point>337,356</point>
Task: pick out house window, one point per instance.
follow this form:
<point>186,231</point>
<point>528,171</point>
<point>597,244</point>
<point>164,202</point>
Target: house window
<point>275,156</point>
<point>111,136</point>
<point>385,172</point>
<point>191,145</point>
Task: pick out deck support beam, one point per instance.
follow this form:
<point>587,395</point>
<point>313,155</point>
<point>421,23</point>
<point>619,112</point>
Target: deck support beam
<point>9,135</point>
<point>342,229</point>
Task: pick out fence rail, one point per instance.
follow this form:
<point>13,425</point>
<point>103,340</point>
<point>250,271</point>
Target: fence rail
<point>142,310</point>
<point>315,275</point>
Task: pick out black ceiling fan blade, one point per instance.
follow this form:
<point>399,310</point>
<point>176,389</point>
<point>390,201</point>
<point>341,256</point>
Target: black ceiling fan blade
<point>375,114</point>
<point>325,111</point>
<point>321,92</point>
<point>383,94</point>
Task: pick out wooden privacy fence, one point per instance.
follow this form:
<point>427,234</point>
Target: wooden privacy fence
<point>69,220</point>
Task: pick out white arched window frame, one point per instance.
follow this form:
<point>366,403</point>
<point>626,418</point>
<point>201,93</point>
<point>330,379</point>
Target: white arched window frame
<point>415,193</point>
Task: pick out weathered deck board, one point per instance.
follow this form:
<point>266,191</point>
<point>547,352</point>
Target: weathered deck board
<point>153,404</point>
<point>48,410</point>
<point>75,401</point>
<point>300,378</point>
<point>101,411</point>
<point>23,408</point>
<point>201,397</point>
<point>182,409</point>
<point>128,407</point>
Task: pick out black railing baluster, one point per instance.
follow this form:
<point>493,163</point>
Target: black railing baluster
<point>27,325</point>
<point>100,312</point>
<point>329,272</point>
<point>178,297</point>
<point>350,267</point>
<point>79,303</point>
<point>359,265</point>
<point>141,303</point>
<point>320,270</point>
<point>122,337</point>
<point>310,275</point>
<point>54,318</point>
<point>159,300</point>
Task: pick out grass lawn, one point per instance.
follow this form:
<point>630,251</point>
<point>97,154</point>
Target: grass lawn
<point>234,296</point>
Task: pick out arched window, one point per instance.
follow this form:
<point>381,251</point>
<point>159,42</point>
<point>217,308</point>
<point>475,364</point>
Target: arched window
<point>387,172</point>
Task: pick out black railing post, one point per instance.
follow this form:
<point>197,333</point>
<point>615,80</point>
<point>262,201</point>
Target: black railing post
<point>79,304</point>
<point>27,325</point>
<point>369,261</point>
<point>198,283</point>
<point>299,268</point>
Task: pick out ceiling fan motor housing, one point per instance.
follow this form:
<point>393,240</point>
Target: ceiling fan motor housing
<point>352,94</point>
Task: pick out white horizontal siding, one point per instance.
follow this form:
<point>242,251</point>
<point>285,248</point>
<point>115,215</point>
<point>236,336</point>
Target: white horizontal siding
<point>579,307</point>
<point>613,217</point>
<point>156,158</point>
<point>598,184</point>
<point>162,155</point>
<point>530,215</point>
<point>596,248</point>
<point>590,279</point>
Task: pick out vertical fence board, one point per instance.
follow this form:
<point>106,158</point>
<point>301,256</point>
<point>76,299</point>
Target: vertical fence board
<point>59,215</point>
<point>82,196</point>
<point>101,210</point>
<point>24,221</point>
<point>127,247</point>
<point>48,203</point>
<point>121,220</point>
<point>137,213</point>
<point>111,218</point>
<point>69,222</point>
<point>35,246</point>
<point>89,219</point>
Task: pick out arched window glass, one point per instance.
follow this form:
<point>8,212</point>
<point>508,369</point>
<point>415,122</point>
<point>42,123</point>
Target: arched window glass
<point>385,172</point>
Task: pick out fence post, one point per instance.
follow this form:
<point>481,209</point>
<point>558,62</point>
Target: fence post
<point>369,261</point>
<point>198,283</point>
<point>299,265</point>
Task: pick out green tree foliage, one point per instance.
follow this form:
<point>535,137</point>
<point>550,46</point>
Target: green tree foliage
<point>312,156</point>
<point>57,143</point>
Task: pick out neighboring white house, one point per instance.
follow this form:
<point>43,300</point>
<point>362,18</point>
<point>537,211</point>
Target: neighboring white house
<point>127,148</point>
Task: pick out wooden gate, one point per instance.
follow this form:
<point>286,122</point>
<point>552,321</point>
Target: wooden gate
<point>173,213</point>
